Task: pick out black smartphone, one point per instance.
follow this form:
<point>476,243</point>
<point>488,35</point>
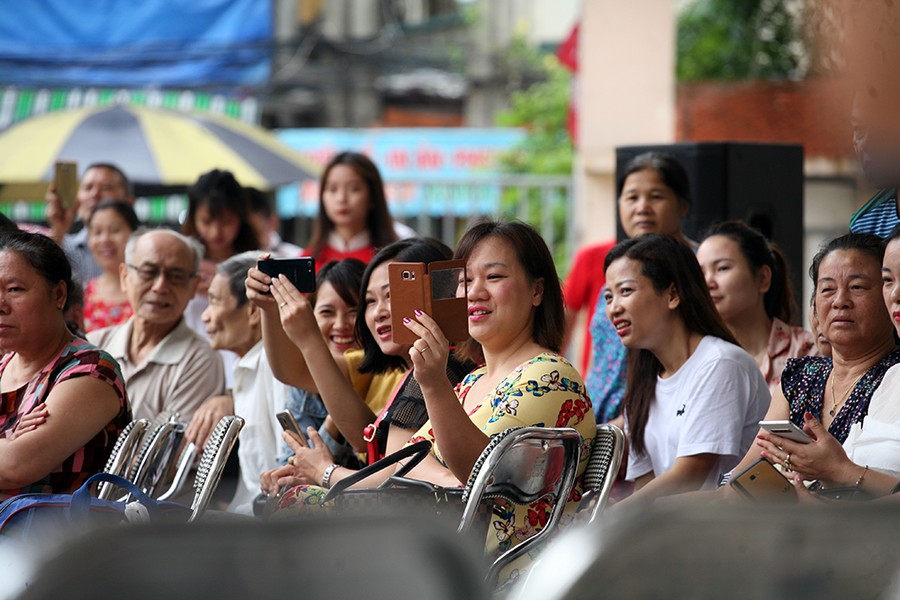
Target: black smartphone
<point>300,271</point>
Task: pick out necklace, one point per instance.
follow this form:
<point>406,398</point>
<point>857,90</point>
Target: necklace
<point>844,397</point>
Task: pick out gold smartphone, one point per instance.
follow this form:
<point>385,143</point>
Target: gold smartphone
<point>762,482</point>
<point>65,180</point>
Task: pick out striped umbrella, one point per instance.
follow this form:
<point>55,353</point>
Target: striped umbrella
<point>159,149</point>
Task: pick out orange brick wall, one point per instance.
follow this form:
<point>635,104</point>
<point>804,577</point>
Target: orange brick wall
<point>815,113</point>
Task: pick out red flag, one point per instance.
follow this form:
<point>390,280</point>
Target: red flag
<point>567,53</point>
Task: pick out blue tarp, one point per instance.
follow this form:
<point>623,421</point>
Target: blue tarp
<point>144,43</point>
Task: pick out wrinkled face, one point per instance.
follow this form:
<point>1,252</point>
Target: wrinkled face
<point>501,297</point>
<point>378,312</point>
<point>217,233</point>
<point>336,320</point>
<point>890,277</point>
<point>639,312</point>
<point>98,184</point>
<point>229,326</point>
<point>28,303</point>
<point>849,303</point>
<point>648,205</point>
<point>734,289</point>
<point>876,140</point>
<point>108,233</point>
<point>161,279</point>
<point>346,198</point>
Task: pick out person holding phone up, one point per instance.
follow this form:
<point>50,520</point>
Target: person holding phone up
<point>100,181</point>
<point>363,387</point>
<point>830,396</point>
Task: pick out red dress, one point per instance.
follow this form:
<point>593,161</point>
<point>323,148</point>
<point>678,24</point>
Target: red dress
<point>98,313</point>
<point>583,285</point>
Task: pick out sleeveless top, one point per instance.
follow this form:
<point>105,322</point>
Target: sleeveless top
<point>803,384</point>
<point>77,359</point>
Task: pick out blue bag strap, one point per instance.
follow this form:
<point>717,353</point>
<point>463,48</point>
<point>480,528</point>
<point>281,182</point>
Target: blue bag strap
<point>81,499</point>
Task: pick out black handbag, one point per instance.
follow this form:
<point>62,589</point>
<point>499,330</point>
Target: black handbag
<point>398,494</point>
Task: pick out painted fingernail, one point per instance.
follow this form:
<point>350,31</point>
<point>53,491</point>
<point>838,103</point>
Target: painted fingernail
<point>407,320</point>
<point>418,312</point>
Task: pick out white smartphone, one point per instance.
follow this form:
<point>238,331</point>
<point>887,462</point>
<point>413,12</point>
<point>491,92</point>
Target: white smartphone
<point>787,430</point>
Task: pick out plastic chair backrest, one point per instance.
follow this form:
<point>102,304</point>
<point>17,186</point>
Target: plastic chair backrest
<point>158,451</point>
<point>215,454</point>
<point>122,455</point>
<point>523,465</point>
<point>603,466</point>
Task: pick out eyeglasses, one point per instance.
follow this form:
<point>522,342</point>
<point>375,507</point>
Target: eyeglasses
<point>176,277</point>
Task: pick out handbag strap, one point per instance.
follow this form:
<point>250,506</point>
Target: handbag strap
<point>81,499</point>
<point>370,433</point>
<point>417,451</point>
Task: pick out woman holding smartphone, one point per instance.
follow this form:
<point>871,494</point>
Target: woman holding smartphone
<point>356,386</point>
<point>515,318</point>
<point>828,395</point>
<point>869,457</point>
<point>693,397</point>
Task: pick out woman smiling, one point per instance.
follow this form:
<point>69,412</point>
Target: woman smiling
<point>693,397</point>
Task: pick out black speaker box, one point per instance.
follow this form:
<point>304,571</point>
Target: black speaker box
<point>760,184</point>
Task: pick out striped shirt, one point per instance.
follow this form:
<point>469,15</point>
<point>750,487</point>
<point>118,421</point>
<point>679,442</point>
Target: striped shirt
<point>878,216</point>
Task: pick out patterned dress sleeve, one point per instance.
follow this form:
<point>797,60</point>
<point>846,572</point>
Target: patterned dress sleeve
<point>546,391</point>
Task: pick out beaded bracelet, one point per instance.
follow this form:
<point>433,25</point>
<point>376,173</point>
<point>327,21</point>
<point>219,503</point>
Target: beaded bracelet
<point>861,477</point>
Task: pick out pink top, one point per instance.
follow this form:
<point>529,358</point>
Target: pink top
<point>785,342</point>
<point>98,313</point>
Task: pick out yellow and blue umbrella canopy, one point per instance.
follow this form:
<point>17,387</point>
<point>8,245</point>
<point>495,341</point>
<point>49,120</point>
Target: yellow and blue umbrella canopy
<point>156,148</point>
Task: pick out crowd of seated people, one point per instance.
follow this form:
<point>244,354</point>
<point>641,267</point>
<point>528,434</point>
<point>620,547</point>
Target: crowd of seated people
<point>694,345</point>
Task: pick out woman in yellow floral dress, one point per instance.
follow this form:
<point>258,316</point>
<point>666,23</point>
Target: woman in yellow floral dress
<point>515,313</point>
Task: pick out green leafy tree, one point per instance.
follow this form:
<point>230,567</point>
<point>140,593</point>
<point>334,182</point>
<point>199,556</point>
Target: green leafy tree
<point>741,39</point>
<point>542,110</point>
<point>547,149</point>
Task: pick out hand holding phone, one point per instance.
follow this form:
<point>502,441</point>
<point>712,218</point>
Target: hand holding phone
<point>65,182</point>
<point>433,288</point>
<point>787,430</point>
<point>300,271</point>
<point>289,423</point>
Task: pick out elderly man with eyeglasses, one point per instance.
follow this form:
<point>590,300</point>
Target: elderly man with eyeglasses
<point>167,366</point>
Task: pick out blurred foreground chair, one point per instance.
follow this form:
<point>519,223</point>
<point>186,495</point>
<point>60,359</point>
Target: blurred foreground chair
<point>600,476</point>
<point>522,465</point>
<point>335,556</point>
<point>712,551</point>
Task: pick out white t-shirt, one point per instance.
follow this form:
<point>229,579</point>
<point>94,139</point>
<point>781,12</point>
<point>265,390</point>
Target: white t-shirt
<point>875,441</point>
<point>257,397</point>
<point>711,405</point>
